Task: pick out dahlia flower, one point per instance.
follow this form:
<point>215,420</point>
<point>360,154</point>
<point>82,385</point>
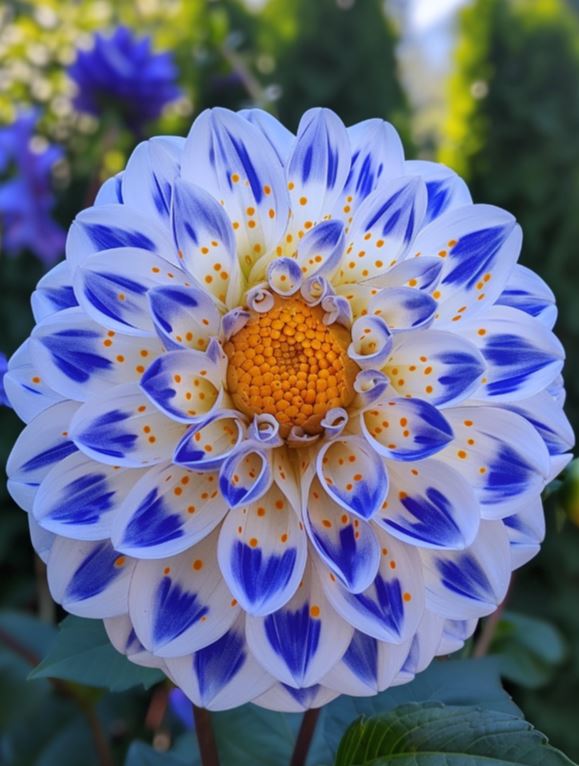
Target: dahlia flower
<point>291,404</point>
<point>121,72</point>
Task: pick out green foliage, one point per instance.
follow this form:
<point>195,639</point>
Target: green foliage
<point>141,754</point>
<point>435,735</point>
<point>83,653</point>
<point>335,54</point>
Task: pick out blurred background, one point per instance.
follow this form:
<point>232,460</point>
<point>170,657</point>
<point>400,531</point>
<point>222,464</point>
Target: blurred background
<point>489,87</point>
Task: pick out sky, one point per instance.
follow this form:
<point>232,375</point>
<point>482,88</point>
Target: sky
<point>425,13</point>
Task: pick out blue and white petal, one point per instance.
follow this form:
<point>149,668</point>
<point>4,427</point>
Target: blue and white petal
<point>148,179</point>
<point>446,190</point>
<point>205,242</point>
<point>405,429</point>
<point>470,583</point>
<point>430,505</point>
<point>262,552</point>
<point>454,635</point>
<point>347,545</point>
<point>42,541</point>
<point>391,607</point>
<point>54,292</point>
<point>424,644</point>
<point>123,637</point>
<point>500,454</point>
<point>316,171</point>
<point>377,157</point>
<point>41,445</point>
<point>121,427</point>
<point>79,498</point>
<point>207,445</point>
<point>281,139</point>
<point>245,475</point>
<point>111,191</point>
<point>184,317</point>
<point>166,511</point>
<point>526,531</point>
<point>301,641</point>
<point>232,160</point>
<point>181,604</point>
<point>527,292</point>
<point>548,417</point>
<point>371,342</point>
<point>114,226</point>
<point>284,276</point>
<point>403,308</point>
<point>286,699</point>
<point>112,287</point>
<point>89,579</point>
<point>353,475</point>
<point>26,390</point>
<point>320,250</point>
<point>382,229</point>
<point>479,246</point>
<point>223,674</point>
<point>80,358</point>
<point>440,367</point>
<point>184,384</point>
<point>522,356</point>
<point>367,667</point>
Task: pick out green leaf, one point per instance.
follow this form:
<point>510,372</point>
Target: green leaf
<point>432,734</point>
<point>83,653</point>
<point>141,754</point>
<point>454,682</point>
<point>529,649</point>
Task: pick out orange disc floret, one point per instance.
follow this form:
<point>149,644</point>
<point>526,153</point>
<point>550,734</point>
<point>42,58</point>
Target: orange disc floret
<point>288,363</point>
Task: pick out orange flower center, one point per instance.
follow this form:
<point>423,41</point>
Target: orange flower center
<point>288,363</point>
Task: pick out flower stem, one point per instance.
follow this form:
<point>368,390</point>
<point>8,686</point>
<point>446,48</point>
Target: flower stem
<point>205,737</point>
<point>305,736</point>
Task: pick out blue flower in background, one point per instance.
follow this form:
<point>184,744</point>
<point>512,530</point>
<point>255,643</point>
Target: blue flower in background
<point>3,368</point>
<point>26,198</point>
<point>122,72</point>
<point>180,704</point>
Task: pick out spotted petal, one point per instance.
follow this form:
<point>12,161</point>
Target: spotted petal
<point>469,583</point>
<point>430,505</point>
<point>522,356</point>
<point>120,427</point>
<point>166,512</point>
<point>236,163</point>
<point>440,367</point>
<point>114,226</point>
<point>79,497</point>
<point>446,190</point>
<point>371,342</point>
<point>281,139</point>
<point>500,454</point>
<point>80,358</point>
<point>403,308</point>
<point>246,475</point>
<point>317,169</point>
<point>89,579</point>
<point>382,229</point>
<point>184,317</point>
<point>405,429</point>
<point>262,552</point>
<point>479,245</point>
<point>207,445</point>
<point>112,287</point>
<point>184,384</point>
<point>391,607</point>
<point>181,604</point>
<point>41,445</point>
<point>205,241</point>
<point>320,250</point>
<point>299,642</point>
<point>26,390</point>
<point>353,475</point>
<point>346,544</point>
<point>223,674</point>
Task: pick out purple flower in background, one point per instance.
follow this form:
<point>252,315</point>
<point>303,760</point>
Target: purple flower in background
<point>3,368</point>
<point>122,72</point>
<point>180,704</point>
<point>26,198</point>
